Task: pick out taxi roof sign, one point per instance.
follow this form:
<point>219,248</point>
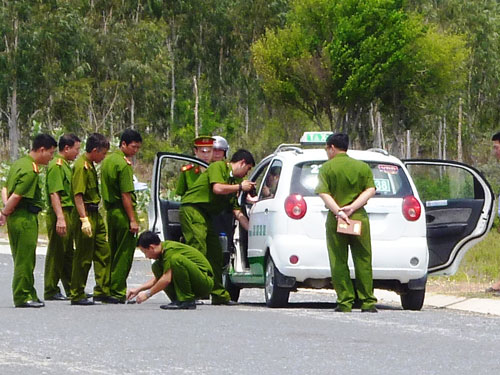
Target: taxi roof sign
<point>314,138</point>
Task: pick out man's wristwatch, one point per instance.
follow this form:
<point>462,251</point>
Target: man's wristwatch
<point>148,293</point>
<point>240,188</point>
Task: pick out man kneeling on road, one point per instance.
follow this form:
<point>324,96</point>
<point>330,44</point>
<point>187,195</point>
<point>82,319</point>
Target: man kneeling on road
<point>181,271</point>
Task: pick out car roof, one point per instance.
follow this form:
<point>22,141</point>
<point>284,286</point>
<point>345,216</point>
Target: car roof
<point>305,154</point>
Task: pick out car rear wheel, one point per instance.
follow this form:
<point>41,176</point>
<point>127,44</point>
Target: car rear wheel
<point>275,295</point>
<point>413,299</point>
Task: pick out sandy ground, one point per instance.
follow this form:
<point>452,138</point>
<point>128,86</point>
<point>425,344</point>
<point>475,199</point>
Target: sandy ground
<point>443,285</point>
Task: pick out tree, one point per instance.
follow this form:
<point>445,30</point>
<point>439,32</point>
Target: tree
<point>342,56</point>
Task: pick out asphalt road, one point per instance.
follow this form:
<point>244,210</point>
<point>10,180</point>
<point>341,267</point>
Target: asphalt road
<point>307,338</point>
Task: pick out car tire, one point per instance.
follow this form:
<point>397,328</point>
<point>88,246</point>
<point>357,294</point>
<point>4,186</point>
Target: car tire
<point>234,290</point>
<point>275,295</point>
<point>413,299</point>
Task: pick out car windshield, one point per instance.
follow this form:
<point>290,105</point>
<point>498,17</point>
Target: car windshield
<point>390,179</point>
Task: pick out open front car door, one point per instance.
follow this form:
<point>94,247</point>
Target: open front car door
<point>459,207</point>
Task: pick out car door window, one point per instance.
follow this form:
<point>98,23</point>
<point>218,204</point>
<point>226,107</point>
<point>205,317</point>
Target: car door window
<point>167,200</point>
<point>269,184</point>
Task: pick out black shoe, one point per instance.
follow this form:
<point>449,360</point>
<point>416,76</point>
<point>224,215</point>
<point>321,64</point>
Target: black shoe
<point>57,297</point>
<point>370,310</point>
<point>225,303</point>
<point>83,302</point>
<point>112,300</point>
<point>340,309</point>
<point>35,304</point>
<point>185,305</point>
<point>99,298</point>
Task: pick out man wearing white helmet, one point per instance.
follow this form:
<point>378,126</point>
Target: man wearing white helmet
<point>220,149</point>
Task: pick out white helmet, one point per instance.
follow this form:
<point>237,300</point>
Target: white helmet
<point>220,143</point>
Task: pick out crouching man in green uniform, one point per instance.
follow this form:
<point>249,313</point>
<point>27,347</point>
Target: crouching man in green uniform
<point>118,193</point>
<point>90,236</point>
<point>345,185</point>
<point>24,201</point>
<point>59,258</point>
<point>181,271</point>
<point>215,191</point>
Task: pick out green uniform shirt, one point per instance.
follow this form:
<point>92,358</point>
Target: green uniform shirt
<point>344,178</point>
<point>189,174</point>
<point>23,179</point>
<point>162,264</point>
<point>59,181</point>
<point>202,193</point>
<point>117,177</point>
<point>84,180</point>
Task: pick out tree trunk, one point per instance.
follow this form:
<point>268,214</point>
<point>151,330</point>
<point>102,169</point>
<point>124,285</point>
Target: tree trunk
<point>460,156</point>
<point>247,116</point>
<point>376,124</point>
<point>171,46</point>
<point>132,112</point>
<point>444,138</point>
<point>196,102</point>
<point>14,115</point>
<point>13,125</point>
<point>408,144</point>
<point>380,129</point>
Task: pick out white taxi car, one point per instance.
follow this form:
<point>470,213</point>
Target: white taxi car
<point>425,215</point>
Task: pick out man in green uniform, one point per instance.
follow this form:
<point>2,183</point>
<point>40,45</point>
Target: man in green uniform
<point>90,237</point>
<point>190,172</point>
<point>213,192</point>
<point>118,194</point>
<point>24,201</point>
<point>181,271</point>
<point>59,258</point>
<point>345,185</point>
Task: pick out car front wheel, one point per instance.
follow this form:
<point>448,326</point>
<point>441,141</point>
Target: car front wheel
<point>413,299</point>
<point>275,295</point>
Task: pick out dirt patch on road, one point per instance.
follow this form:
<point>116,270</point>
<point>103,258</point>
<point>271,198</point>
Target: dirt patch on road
<point>442,285</point>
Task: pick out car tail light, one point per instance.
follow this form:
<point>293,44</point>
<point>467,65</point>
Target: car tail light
<point>411,208</point>
<point>295,206</point>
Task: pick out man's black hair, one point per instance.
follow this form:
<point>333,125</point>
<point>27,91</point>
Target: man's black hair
<point>339,140</point>
<point>129,136</point>
<point>43,140</point>
<point>245,155</point>
<point>496,137</point>
<point>148,238</point>
<point>68,140</point>
<point>98,141</point>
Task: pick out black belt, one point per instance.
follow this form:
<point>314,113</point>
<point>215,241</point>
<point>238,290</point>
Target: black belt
<point>92,207</point>
<point>33,209</point>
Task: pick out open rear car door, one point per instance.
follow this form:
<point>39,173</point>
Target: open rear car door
<point>459,209</point>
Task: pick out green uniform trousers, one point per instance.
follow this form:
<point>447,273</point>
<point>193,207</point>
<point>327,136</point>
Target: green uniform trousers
<point>87,250</point>
<point>122,243</point>
<point>22,227</point>
<point>59,258</point>
<point>188,281</point>
<point>198,233</point>
<point>338,252</point>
